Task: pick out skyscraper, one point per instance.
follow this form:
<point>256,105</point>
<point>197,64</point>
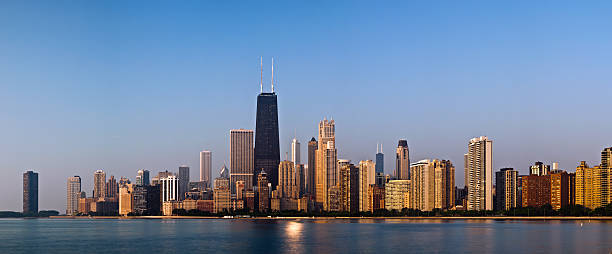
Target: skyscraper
<point>380,160</point>
<point>606,175</point>
<point>112,188</point>
<point>366,178</point>
<point>30,193</point>
<point>206,167</point>
<point>99,184</point>
<point>241,158</point>
<point>506,189</point>
<point>349,188</point>
<point>287,182</point>
<point>326,162</point>
<point>402,161</point>
<point>480,174</point>
<point>295,151</point>
<point>183,178</point>
<point>264,192</point>
<point>142,177</point>
<point>310,173</point>
<point>267,149</point>
<point>73,193</point>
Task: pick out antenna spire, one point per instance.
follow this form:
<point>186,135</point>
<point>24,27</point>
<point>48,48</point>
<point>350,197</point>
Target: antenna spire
<point>261,74</point>
<point>272,74</point>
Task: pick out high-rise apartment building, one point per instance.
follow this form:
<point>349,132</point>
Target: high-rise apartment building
<point>376,195</point>
<point>206,167</point>
<point>560,183</point>
<point>349,188</point>
<point>606,175</point>
<point>299,179</point>
<point>126,197</point>
<point>287,180</point>
<point>480,174</point>
<point>30,193</point>
<point>367,171</point>
<point>241,158</point>
<point>146,200</point>
<point>264,192</point>
<point>423,185</point>
<point>326,162</point>
<point>506,188</point>
<point>536,190</point>
<point>112,188</point>
<point>99,184</point>
<point>295,151</point>
<point>588,186</point>
<point>267,149</point>
<point>142,177</point>
<point>380,160</point>
<point>183,178</point>
<point>73,193</point>
<point>310,172</point>
<point>402,161</point>
<point>169,188</point>
<point>395,194</point>
<point>444,184</point>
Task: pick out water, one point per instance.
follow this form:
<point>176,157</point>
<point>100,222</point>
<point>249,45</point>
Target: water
<point>302,236</point>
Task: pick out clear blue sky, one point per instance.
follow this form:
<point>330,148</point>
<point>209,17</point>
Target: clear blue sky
<point>126,85</point>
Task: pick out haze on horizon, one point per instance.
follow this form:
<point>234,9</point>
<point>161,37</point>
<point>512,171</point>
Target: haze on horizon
<point>122,86</point>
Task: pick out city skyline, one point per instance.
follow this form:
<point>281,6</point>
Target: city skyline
<point>104,137</point>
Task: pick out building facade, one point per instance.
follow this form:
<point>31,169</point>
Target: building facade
<point>295,151</point>
<point>241,158</point>
<point>99,184</point>
<point>380,160</point>
<point>267,149</point>
<point>506,188</point>
<point>367,171</point>
<point>395,192</point>
<point>536,190</point>
<point>183,178</point>
<point>206,167</point>
<point>30,193</point>
<point>310,172</point>
<point>402,161</point>
<point>143,177</point>
<point>479,172</point>
<point>326,162</point>
<point>73,193</point>
<point>169,188</point>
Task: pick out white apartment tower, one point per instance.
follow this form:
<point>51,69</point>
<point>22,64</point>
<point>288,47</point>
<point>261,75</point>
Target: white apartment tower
<point>479,165</point>
<point>73,192</point>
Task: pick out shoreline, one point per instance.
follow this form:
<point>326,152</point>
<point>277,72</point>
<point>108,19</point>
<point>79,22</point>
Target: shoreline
<point>508,218</point>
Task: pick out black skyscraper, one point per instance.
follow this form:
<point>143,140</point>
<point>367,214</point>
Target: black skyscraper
<point>30,193</point>
<point>267,151</point>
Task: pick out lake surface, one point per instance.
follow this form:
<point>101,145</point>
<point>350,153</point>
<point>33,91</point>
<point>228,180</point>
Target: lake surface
<point>302,236</point>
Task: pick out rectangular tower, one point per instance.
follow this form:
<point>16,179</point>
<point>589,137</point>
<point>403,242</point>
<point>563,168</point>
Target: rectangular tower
<point>506,189</point>
<point>206,167</point>
<point>73,193</point>
<point>267,150</point>
<point>241,158</point>
<point>480,174</point>
<point>310,173</point>
<point>30,193</point>
<point>326,162</point>
<point>183,181</point>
